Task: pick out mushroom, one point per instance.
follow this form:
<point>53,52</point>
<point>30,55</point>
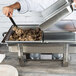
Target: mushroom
<point>26,35</point>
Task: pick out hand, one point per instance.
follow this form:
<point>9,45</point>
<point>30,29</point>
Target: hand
<point>8,11</point>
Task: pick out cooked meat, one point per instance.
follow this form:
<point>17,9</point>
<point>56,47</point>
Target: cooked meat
<point>11,38</point>
<point>26,35</point>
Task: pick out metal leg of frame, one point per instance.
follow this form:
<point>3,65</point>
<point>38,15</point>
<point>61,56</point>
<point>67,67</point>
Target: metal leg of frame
<point>20,54</point>
<point>66,55</point>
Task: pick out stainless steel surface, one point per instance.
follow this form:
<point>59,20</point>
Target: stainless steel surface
<point>6,38</point>
<point>53,20</point>
<point>66,55</point>
<point>53,35</point>
<point>20,54</point>
<point>56,48</point>
<point>58,45</point>
<point>49,12</point>
<point>59,37</point>
<point>56,12</point>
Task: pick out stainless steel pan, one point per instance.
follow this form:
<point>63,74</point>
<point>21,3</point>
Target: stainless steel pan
<point>6,38</point>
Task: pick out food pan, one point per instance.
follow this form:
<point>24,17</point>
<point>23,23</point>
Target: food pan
<point>6,38</point>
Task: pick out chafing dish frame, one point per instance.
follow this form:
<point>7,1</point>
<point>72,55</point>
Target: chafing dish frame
<point>38,44</point>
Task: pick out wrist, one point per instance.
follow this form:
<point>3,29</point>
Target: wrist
<point>11,6</point>
<point>15,6</point>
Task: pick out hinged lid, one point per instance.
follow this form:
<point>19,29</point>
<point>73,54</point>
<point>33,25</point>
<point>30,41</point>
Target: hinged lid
<point>56,12</point>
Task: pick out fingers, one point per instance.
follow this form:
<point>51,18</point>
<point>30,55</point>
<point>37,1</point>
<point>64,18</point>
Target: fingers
<point>10,14</point>
<point>8,11</point>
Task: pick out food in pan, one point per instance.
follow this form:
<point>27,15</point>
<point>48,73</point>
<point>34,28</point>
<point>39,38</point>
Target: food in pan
<point>26,35</point>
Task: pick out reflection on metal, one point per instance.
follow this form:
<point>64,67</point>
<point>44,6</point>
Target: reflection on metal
<point>20,54</point>
<point>66,55</point>
<point>56,42</point>
<point>56,12</point>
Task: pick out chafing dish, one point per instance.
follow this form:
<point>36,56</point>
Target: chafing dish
<point>52,41</point>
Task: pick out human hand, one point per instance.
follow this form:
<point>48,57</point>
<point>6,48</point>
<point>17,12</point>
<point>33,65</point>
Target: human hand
<point>8,11</point>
